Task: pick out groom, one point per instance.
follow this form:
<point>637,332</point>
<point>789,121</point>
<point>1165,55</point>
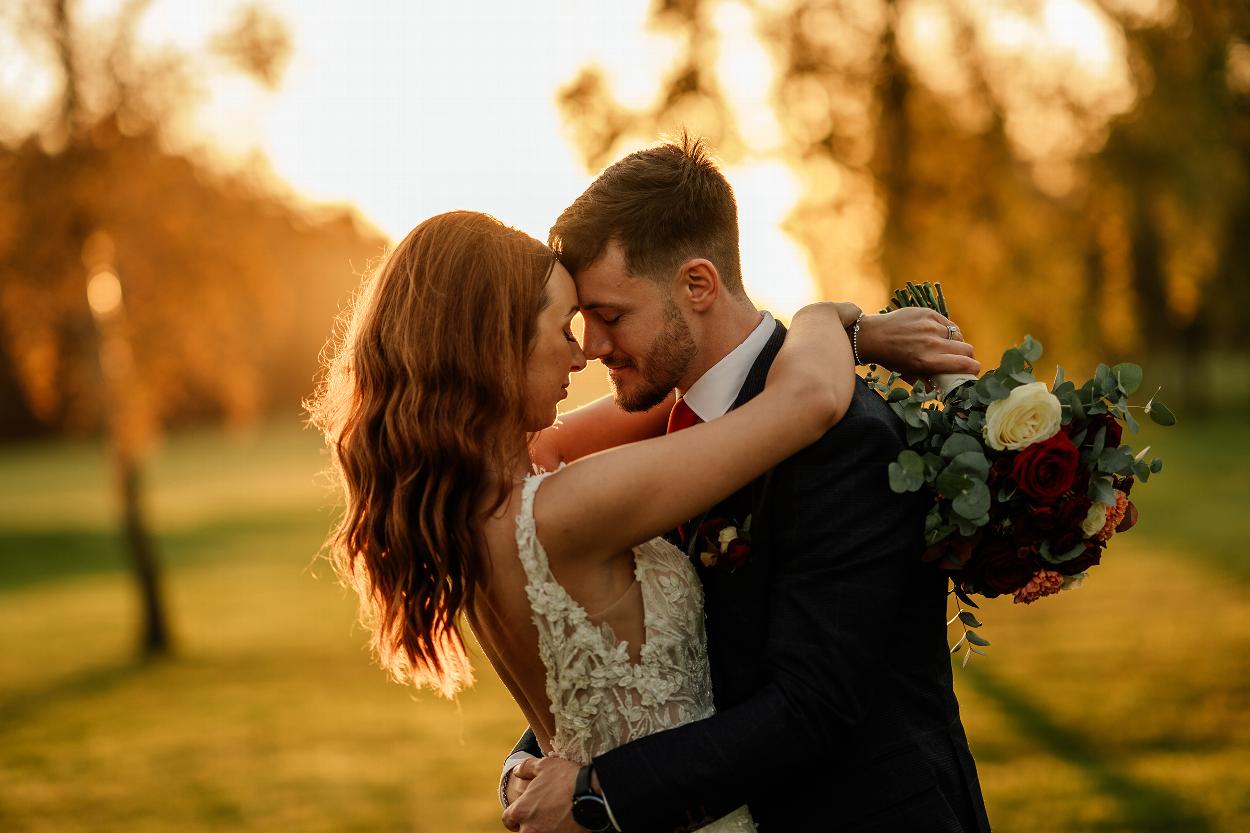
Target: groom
<point>827,636</point>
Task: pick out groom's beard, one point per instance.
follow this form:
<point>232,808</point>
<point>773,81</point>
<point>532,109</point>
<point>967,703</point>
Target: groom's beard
<point>661,368</point>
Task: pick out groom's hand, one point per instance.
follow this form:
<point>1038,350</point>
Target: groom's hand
<point>546,804</point>
<point>915,341</point>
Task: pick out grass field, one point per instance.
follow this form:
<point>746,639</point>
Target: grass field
<point>1123,707</point>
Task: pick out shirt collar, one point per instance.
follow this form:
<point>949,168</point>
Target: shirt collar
<point>715,391</point>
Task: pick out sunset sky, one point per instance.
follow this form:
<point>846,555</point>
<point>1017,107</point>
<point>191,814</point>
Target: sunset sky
<point>407,109</point>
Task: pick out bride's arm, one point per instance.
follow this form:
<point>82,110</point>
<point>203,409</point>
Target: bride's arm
<point>607,502</point>
<point>600,425</point>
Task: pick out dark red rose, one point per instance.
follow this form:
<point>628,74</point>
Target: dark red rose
<point>1069,516</point>
<point>1090,558</point>
<point>1000,470</point>
<point>736,554</point>
<point>1045,470</point>
<point>951,553</point>
<point>1124,484</point>
<point>999,566</point>
<point>1114,431</point>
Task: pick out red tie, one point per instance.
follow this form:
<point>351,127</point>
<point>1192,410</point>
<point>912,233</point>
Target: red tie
<point>682,416</point>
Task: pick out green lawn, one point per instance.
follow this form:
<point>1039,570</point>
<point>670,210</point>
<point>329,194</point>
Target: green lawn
<point>1119,707</point>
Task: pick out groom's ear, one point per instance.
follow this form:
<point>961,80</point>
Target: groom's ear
<point>698,283</point>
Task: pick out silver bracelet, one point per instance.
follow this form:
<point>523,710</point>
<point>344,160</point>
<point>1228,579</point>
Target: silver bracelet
<point>855,340</point>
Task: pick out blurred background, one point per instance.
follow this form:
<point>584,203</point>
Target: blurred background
<point>189,193</point>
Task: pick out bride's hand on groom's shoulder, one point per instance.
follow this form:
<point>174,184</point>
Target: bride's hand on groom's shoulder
<point>915,342</point>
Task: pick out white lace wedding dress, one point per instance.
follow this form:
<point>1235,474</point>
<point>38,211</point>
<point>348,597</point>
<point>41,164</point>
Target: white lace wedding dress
<point>599,698</point>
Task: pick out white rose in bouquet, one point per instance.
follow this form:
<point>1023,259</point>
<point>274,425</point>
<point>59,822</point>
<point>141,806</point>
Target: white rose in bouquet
<point>1030,414</point>
<point>1095,519</point>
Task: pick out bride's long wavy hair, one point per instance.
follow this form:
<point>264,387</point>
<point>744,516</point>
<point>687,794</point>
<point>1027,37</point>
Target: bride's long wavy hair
<point>422,406</point>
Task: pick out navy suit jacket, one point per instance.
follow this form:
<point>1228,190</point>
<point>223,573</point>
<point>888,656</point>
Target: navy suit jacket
<point>832,677</point>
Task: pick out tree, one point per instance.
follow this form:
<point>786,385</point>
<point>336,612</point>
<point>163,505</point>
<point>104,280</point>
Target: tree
<point>137,286</point>
<point>1072,204</point>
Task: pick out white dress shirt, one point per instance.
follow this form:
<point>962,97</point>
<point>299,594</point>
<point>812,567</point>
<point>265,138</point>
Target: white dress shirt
<point>715,391</point>
<point>711,396</point>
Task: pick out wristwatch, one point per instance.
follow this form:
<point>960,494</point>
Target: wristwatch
<point>589,808</point>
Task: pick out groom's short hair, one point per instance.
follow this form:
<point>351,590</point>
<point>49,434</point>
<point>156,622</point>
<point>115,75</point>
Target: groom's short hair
<point>662,206</point>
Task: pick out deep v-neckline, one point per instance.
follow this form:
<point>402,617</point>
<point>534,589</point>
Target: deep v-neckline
<point>609,635</point>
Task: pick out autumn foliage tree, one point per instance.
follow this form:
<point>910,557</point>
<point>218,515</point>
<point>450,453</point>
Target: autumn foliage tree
<point>139,287</point>
<point>1095,199</point>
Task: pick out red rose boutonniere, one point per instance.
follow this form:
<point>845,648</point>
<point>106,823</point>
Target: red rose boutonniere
<point>724,543</point>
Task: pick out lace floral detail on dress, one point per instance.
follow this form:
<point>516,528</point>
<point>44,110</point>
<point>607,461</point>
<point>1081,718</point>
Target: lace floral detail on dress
<point>599,698</point>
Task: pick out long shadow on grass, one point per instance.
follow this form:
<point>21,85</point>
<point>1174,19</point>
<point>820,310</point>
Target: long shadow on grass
<point>17,706</point>
<point>1144,807</point>
<point>34,557</point>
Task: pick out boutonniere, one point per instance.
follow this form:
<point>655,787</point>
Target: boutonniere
<point>724,543</point>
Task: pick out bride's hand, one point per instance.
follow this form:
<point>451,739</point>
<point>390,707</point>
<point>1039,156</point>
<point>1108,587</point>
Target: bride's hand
<point>915,342</point>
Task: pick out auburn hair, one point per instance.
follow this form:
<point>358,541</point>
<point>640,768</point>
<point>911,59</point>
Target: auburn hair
<point>662,206</point>
<point>422,407</point>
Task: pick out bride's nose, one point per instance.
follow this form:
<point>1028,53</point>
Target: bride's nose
<point>579,358</point>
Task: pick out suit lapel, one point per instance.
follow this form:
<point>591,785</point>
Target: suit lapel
<point>756,377</point>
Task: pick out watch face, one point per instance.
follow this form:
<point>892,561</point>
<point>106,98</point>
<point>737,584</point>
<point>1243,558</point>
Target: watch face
<point>590,812</point>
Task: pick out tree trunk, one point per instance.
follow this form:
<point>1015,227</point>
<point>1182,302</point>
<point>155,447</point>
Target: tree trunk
<point>154,637</point>
<point>892,152</point>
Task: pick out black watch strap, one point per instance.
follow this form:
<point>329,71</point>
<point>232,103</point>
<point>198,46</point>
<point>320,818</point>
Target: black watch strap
<point>589,808</point>
<point>582,785</point>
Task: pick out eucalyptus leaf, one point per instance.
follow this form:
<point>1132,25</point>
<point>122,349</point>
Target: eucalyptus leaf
<point>1130,376</point>
<point>1073,402</point>
<point>968,619</point>
<point>963,597</point>
<point>1160,413</point>
<point>1156,465</point>
<point>1115,461</point>
<point>1101,490</point>
<point>1130,422</point>
<point>951,483</point>
<point>996,389</point>
<point>1013,362</point>
<point>958,444</point>
<point>972,463</point>
<point>976,639</point>
<point>973,502</point>
<point>915,416</point>
<point>1058,379</point>
<point>1100,441</point>
<point>1031,349</point>
<point>1105,382</point>
<point>907,473</point>
<point>897,395</point>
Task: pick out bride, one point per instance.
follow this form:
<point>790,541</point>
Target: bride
<point>455,357</point>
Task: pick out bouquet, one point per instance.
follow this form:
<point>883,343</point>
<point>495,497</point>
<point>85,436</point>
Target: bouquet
<point>1029,482</point>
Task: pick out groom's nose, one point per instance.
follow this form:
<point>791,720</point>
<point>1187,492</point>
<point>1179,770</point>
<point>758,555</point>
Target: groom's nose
<point>596,342</point>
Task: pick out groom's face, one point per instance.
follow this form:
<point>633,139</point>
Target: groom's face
<point>636,329</point>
